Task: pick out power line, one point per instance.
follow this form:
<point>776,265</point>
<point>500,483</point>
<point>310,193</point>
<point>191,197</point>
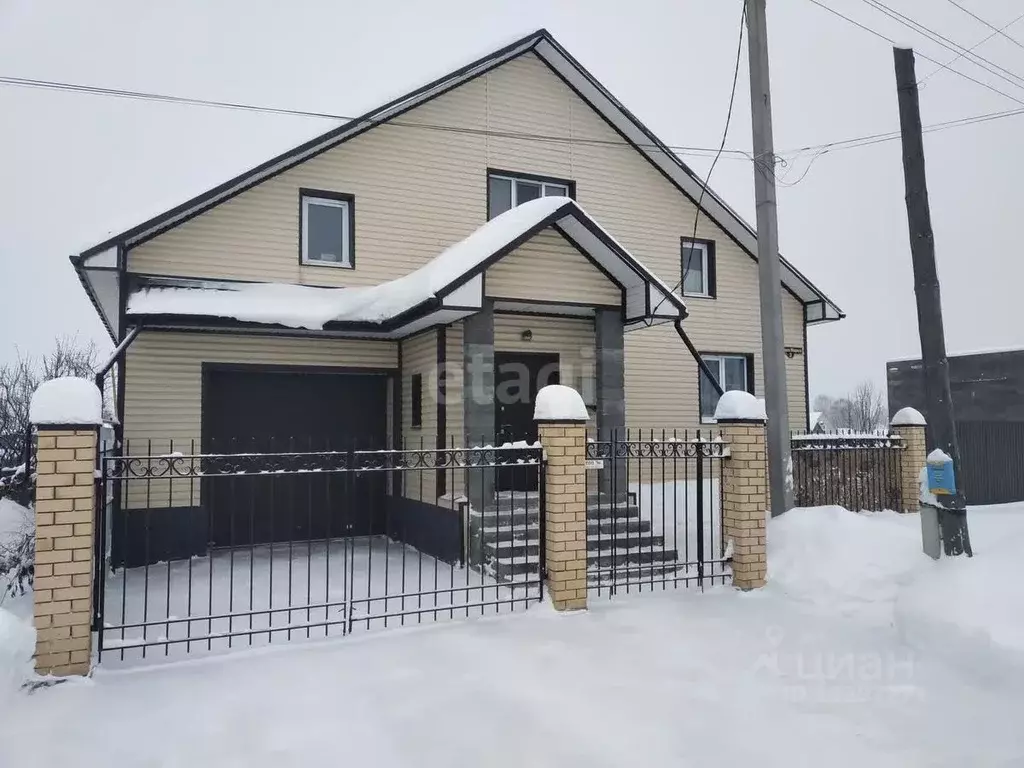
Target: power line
<point>191,101</point>
<point>996,31</point>
<point>959,56</point>
<point>950,45</point>
<point>719,152</point>
<point>721,147</point>
<point>892,42</point>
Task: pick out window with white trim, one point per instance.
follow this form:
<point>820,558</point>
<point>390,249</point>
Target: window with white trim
<point>326,230</point>
<point>505,192</point>
<point>732,372</point>
<point>698,268</point>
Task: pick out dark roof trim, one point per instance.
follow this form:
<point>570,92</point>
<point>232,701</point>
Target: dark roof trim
<point>537,42</point>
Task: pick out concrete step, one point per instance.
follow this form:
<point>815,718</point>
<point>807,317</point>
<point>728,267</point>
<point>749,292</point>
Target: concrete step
<point>522,516</point>
<point>517,548</point>
<point>605,558</point>
<point>610,530</point>
<point>606,577</point>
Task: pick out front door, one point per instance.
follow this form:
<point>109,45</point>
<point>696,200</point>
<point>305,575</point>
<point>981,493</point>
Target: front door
<point>518,376</point>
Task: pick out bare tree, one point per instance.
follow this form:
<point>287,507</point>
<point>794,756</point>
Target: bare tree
<point>19,380</point>
<point>860,411</point>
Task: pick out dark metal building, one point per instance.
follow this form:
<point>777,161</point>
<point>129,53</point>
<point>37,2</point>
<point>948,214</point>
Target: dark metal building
<point>988,405</point>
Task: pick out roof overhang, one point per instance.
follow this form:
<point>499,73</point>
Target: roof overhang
<point>565,66</point>
<point>446,289</point>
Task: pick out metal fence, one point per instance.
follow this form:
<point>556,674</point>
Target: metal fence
<point>859,472</point>
<point>209,551</point>
<point>654,511</point>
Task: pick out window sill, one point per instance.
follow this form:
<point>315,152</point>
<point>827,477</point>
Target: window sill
<point>699,296</point>
<point>331,264</point>
<point>708,420</point>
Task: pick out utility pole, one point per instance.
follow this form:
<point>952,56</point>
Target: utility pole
<point>769,272</point>
<point>953,508</point>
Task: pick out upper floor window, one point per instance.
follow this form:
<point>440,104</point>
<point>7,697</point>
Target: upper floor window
<point>698,267</point>
<point>732,372</point>
<point>326,227</point>
<point>507,190</point>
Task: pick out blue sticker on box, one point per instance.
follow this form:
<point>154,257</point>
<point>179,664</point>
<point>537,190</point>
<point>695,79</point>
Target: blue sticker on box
<point>941,480</point>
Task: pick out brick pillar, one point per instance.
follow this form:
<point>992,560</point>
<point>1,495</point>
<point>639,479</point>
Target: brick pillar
<point>65,490</point>
<point>565,512</point>
<point>910,425</point>
<point>745,500</point>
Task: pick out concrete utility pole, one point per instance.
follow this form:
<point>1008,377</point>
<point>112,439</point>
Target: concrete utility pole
<point>769,272</point>
<point>953,508</point>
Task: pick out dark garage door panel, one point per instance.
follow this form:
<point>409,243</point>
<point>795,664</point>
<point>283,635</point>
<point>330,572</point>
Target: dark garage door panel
<point>283,411</point>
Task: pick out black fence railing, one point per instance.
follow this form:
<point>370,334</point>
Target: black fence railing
<point>654,510</point>
<point>859,472</point>
<point>209,551</point>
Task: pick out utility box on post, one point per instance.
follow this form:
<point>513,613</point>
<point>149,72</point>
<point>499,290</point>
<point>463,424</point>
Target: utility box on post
<point>939,480</point>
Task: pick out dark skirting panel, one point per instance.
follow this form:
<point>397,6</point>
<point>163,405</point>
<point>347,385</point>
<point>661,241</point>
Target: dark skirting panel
<point>433,530</point>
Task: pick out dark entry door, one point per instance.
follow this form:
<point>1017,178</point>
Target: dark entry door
<point>518,376</point>
<point>292,411</point>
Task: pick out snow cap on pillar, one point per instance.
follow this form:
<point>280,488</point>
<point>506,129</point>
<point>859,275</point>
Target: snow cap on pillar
<point>557,402</point>
<point>66,401</point>
<point>737,405</point>
<point>908,417</point>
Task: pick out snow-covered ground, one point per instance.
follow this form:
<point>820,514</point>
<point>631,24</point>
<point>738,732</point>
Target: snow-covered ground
<point>860,651</point>
<point>286,593</point>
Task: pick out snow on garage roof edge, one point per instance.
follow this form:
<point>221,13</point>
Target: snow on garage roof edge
<point>299,306</point>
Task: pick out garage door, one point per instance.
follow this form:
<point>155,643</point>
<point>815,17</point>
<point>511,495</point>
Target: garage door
<point>286,411</point>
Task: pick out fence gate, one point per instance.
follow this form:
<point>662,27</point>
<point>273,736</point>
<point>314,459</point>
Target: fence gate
<point>654,511</point>
<point>210,551</point>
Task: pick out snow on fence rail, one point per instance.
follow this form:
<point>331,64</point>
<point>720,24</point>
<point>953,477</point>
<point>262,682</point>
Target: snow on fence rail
<point>859,471</point>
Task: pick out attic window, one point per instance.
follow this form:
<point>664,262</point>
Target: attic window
<point>507,190</point>
<point>698,268</point>
<point>325,224</point>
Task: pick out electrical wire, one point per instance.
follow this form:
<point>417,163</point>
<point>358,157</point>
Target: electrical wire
<point>721,147</point>
<point>951,45</point>
<point>959,56</point>
<point>892,42</point>
<point>1001,31</point>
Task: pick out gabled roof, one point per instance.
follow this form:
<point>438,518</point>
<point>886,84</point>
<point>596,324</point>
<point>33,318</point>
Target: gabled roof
<point>445,289</point>
<point>818,307</point>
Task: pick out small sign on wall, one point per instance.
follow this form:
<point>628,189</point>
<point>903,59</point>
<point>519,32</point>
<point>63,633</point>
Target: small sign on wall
<point>595,463</point>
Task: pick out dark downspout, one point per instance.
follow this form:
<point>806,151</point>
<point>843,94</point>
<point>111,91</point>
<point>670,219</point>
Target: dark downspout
<point>696,356</point>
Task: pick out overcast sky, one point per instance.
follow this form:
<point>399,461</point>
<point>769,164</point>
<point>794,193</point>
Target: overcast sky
<point>74,166</point>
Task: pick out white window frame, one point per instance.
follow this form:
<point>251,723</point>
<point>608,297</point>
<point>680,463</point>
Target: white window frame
<point>516,180</point>
<point>705,292</point>
<point>720,359</point>
<point>346,238</point>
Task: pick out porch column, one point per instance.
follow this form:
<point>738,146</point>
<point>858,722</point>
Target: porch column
<point>478,397</point>
<point>611,396</point>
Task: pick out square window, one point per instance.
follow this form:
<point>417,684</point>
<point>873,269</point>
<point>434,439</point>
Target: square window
<point>556,190</point>
<point>527,191</point>
<point>326,231</point>
<point>732,372</point>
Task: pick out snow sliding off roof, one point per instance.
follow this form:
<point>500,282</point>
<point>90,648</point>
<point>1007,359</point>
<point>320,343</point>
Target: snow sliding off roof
<point>445,289</point>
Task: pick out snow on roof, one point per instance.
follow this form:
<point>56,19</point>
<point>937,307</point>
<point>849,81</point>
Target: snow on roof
<point>908,417</point>
<point>740,406</point>
<point>67,400</point>
<point>557,402</point>
<point>815,417</point>
<point>300,306</point>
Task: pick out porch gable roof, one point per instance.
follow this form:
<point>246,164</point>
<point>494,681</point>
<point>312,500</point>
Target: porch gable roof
<point>448,288</point>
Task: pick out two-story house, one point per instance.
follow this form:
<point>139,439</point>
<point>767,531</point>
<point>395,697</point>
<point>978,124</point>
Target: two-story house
<point>413,276</point>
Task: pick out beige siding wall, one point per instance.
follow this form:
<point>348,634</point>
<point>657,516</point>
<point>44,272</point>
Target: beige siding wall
<point>419,190</point>
<point>163,385</point>
<point>419,355</point>
<point>547,268</point>
<point>454,404</point>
